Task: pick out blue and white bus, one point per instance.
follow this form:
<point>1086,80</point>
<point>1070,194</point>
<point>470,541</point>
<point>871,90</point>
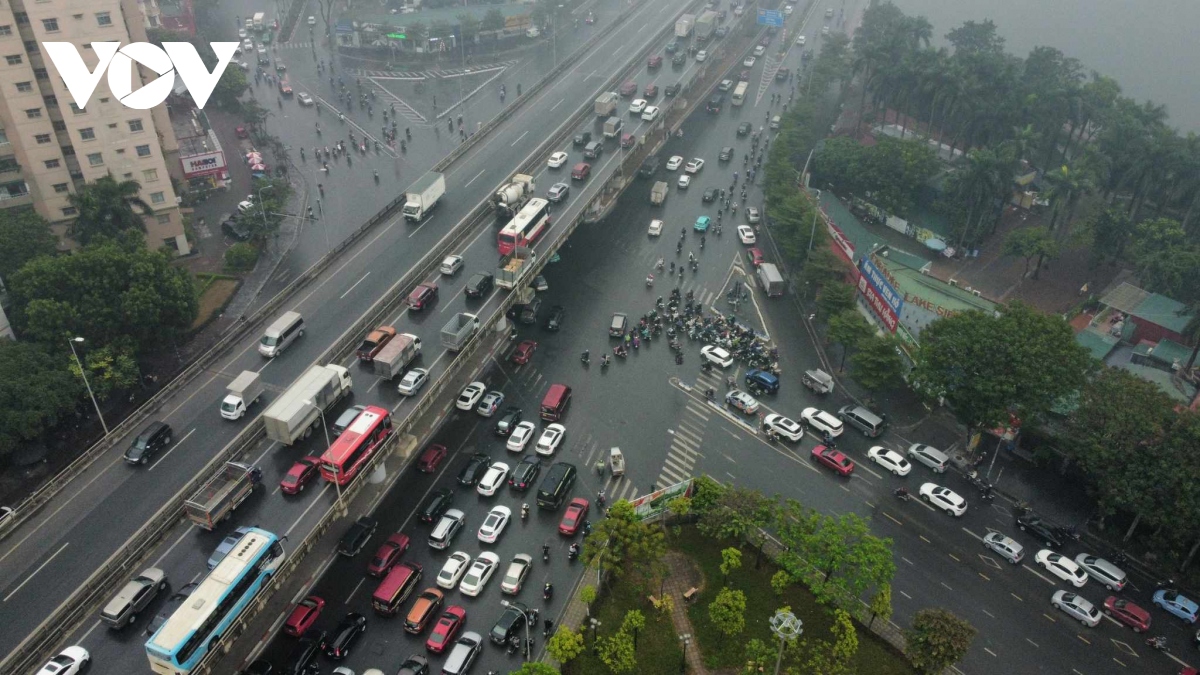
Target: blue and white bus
<point>201,621</point>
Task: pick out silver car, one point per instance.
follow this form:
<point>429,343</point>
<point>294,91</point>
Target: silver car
<point>1077,607</point>
<point>133,597</point>
<point>1103,571</point>
<point>1005,547</point>
<point>929,456</point>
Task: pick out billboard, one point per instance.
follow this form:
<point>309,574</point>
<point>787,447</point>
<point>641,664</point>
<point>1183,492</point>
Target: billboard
<point>204,164</point>
<point>654,504</point>
<point>878,305</point>
<point>879,279</point>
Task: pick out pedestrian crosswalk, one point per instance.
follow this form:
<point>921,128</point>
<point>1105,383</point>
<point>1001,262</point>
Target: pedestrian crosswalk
<point>285,46</point>
<point>686,440</point>
<point>433,73</point>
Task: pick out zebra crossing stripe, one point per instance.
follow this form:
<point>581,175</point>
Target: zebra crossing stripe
<point>673,463</point>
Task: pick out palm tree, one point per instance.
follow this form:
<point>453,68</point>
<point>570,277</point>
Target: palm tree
<point>982,179</point>
<point>105,208</point>
<point>1066,188</point>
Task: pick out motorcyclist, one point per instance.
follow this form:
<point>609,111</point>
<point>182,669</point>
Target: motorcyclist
<point>524,511</point>
<point>586,357</point>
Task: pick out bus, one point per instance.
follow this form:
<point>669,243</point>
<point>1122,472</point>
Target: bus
<point>739,93</point>
<point>526,227</point>
<point>199,624</point>
<point>356,445</point>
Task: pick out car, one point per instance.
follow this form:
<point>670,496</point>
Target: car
<point>466,650</point>
<point>312,20</point>
<point>581,171</point>
<point>435,504</point>
<point>748,62</point>
<point>374,342</point>
<point>702,223</point>
<point>304,99</point>
<point>721,31</point>
<point>788,9</point>
<point>752,215</point>
<point>701,56</point>
<point>1077,607</point>
<point>1052,535</point>
<point>123,608</point>
<point>649,167</point>
<point>413,381</point>
<point>744,128</point>
<point>1062,567</point>
<point>651,91</point>
<point>423,609</point>
<point>508,421</point>
<point>303,616</point>
<point>247,44</point>
<point>821,421</point>
<point>574,516</point>
<point>759,50</point>
<point>557,160</point>
<point>226,546</point>
<point>834,459</point>
<point>637,106</point>
<point>674,163</point>
<point>742,401</point>
<point>725,85</point>
<point>628,88</point>
<point>755,256</point>
<point>672,47</point>
<point>656,228</point>
<point>650,113</point>
<point>739,10</point>
<point>628,140</point>
<point>446,529</point>
<point>1176,603</point>
<point>492,479</point>
<point>590,18</point>
<point>153,438</point>
<point>558,192</point>
<point>431,458</point>
<point>726,154</point>
<point>943,498</point>
<point>388,554</point>
<point>235,228</point>
<point>744,76</point>
<point>480,571</point>
<point>510,623</point>
<point>524,473</point>
<point>1127,613</point>
<point>303,471</point>
<point>784,426</point>
<point>524,352</point>
<point>451,264</point>
<point>494,524</point>
<point>889,459</point>
<point>716,356</point>
<point>745,234</point>
<point>1005,547</point>
<point>678,59</point>
<point>348,630</point>
<point>454,569</point>
<point>514,577</point>
<point>582,139</point>
<point>709,195</point>
<point>479,284</point>
<point>684,181</point>
<point>422,296</point>
<point>654,62</point>
<point>445,629</point>
<point>490,403</point>
<point>672,89</point>
<point>303,658</point>
<point>477,464</point>
<point>766,39</point>
<point>520,436</point>
<point>357,536</point>
<point>824,30</point>
<point>929,456</point>
<point>1105,573</point>
<point>782,75</point>
<point>694,166</point>
<point>470,396</point>
<point>551,438</point>
<point>801,39</point>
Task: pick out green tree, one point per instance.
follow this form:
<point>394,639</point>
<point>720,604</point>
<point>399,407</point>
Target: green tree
<point>731,561</point>
<point>848,328</point>
<point>760,657</point>
<point>1029,243</point>
<point>565,645</point>
<point>733,513</point>
<point>1111,232</point>
<point>1166,260</point>
<point>780,581</point>
<point>468,26</point>
<point>679,507</point>
<point>728,612</point>
<point>107,208</point>
<point>535,668</point>
<point>833,658</point>
<point>938,639</point>
<point>230,88</point>
<point>835,299</point>
<point>24,235</point>
<point>621,542</point>
<point>880,604</point>
<point>112,368</point>
<point>241,257</point>
<point>846,558</point>
<point>588,595</point>
<point>493,20</point>
<point>37,391</point>
<point>877,364</point>
<point>617,652</point>
<point>417,31</point>
<point>633,622</point>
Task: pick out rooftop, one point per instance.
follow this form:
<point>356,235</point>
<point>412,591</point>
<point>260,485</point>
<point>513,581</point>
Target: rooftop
<point>906,268</point>
<point>1152,307</point>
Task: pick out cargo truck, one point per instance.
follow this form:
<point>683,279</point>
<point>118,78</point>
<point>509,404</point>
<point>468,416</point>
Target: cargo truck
<point>460,329</point>
<point>683,25</point>
<point>244,391</point>
<point>297,412</point>
<point>512,267</point>
<point>770,280</point>
<point>658,193</point>
<point>705,25</point>
<point>606,103</point>
<point>396,355</point>
<point>221,494</point>
<point>509,199</point>
<point>260,18</point>
<point>423,195</point>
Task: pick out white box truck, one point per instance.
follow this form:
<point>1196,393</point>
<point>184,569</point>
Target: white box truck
<point>770,280</point>
<point>606,103</point>
<point>297,412</point>
<point>683,26</point>
<point>244,391</point>
<point>260,19</point>
<point>423,195</point>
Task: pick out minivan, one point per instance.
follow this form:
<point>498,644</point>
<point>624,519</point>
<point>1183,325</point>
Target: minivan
<point>558,481</point>
<point>133,597</point>
<point>155,437</point>
<point>929,456</point>
<point>592,150</point>
<point>555,402</point>
<point>281,334</point>
<point>395,588</point>
<point>862,419</point>
<point>1107,574</point>
<point>445,530</point>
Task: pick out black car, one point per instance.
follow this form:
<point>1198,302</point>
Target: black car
<point>235,228</point>
<point>744,128</point>
<point>170,606</point>
<point>525,472</point>
<point>508,421</point>
<point>555,320</point>
<point>357,536</point>
<point>345,635</point>
<point>476,466</point>
<point>781,75</point>
<point>1052,535</point>
<point>259,667</point>
<point>155,437</point>
<point>414,665</point>
<point>509,623</point>
<point>709,195</point>
<point>582,139</point>
<point>726,154</point>
<point>672,89</point>
<point>714,104</point>
<point>479,284</point>
<point>303,659</point>
<point>435,505</point>
<point>672,47</point>
<point>530,311</point>
<point>649,167</point>
<point>679,59</point>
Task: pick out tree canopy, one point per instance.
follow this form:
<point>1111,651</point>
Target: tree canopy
<point>106,208</point>
<point>892,170</point>
<point>24,235</point>
<point>621,542</point>
<point>36,392</point>
<point>937,640</point>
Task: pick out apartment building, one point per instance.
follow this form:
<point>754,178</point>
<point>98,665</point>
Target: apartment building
<point>49,147</point>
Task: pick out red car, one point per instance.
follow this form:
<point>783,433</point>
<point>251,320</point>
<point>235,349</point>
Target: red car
<point>388,555</point>
<point>572,520</point>
<point>654,62</point>
<point>524,352</point>
<point>744,76</point>
<point>755,256</point>
<point>629,88</point>
<point>1127,613</point>
<point>303,616</point>
<point>241,132</point>
<point>446,628</point>
<point>375,341</point>
<point>650,92</point>
<point>627,140</point>
<point>301,474</point>
<point>422,295</point>
<point>833,459</point>
<point>431,458</point>
<point>581,171</point>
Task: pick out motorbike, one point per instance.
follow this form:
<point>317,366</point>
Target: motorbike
<point>547,591</point>
<point>604,362</point>
<point>649,279</point>
<point>620,351</point>
<point>573,552</point>
<point>524,511</point>
<point>586,357</point>
<point>1159,643</point>
<point>545,553</point>
<point>901,493</point>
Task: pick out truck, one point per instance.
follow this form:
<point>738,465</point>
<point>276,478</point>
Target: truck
<point>396,355</point>
<point>606,103</point>
<point>299,410</point>
<point>423,195</point>
<point>770,280</point>
<point>244,391</point>
<point>658,193</point>
<point>739,94</point>
<point>459,330</point>
<point>221,494</point>
<point>705,25</point>
<point>260,19</point>
<point>684,25</point>
<point>509,199</point>
<point>613,126</point>
<point>512,267</point>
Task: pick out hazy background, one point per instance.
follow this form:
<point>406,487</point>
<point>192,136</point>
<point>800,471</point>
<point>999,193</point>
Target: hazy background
<point>1149,46</point>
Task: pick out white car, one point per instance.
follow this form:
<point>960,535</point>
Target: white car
<point>470,396</point>
<point>69,661</point>
<point>824,30</point>
<point>694,166</point>
<point>752,216</point>
<point>785,427</point>
<point>749,62</point>
<point>304,99</point>
<point>684,181</point>
<point>520,436</point>
<point>493,479</point>
<point>454,569</point>
<point>451,264</point>
<point>801,40</point>
<point>759,50</point>
<point>1062,567</point>
<point>890,460</point>
<point>745,234</point>
<point>822,421</point>
<point>944,498</point>
<point>556,160</point>
<point>788,9</point>
<point>716,356</point>
<point>650,113</point>
<point>312,20</point>
<point>656,228</point>
<point>1077,607</point>
<point>494,524</point>
<point>413,381</point>
<point>481,570</point>
<point>701,55</point>
<point>551,438</point>
<point>738,11</point>
<point>637,106</point>
<point>490,403</point>
<point>518,569</point>
<point>674,163</point>
<point>247,45</point>
<point>242,34</point>
<point>246,204</point>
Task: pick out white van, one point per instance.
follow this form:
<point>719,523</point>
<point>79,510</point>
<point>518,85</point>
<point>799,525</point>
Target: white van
<point>280,334</point>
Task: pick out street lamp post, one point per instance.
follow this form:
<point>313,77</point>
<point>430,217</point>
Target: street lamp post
<point>787,627</point>
<point>336,470</point>
<point>687,640</point>
<point>595,623</point>
<point>262,207</point>
<point>83,374</point>
<point>526,652</point>
<point>813,230</point>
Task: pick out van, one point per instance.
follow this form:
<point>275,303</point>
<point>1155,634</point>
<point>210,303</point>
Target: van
<point>395,588</point>
<point>618,325</point>
<point>154,437</point>
<point>425,608</point>
<point>929,456</point>
<point>444,531</point>
<point>862,419</point>
<point>280,334</point>
<point>558,481</point>
<point>592,150</point>
<point>133,598</point>
<point>555,402</point>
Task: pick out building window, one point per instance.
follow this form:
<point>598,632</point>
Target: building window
<point>52,164</point>
<point>59,125</point>
<point>61,187</point>
<point>157,198</point>
<point>112,126</point>
<point>149,175</point>
<point>41,74</point>
<point>24,87</point>
<point>51,101</point>
<point>51,25</point>
<point>76,109</point>
<point>127,176</point>
<point>31,46</point>
<point>143,150</point>
<point>96,159</point>
<point>42,138</point>
<point>120,151</point>
<point>87,134</point>
<point>68,150</point>
<point>70,211</point>
<point>135,126</point>
<point>6,30</point>
<point>104,18</point>
<point>22,18</point>
<point>14,59</point>
<point>163,219</point>
<point>33,113</point>
<point>104,100</point>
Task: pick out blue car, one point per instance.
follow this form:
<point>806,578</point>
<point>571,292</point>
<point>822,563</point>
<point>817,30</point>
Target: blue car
<point>763,379</point>
<point>702,224</point>
<point>1177,604</point>
<point>226,546</point>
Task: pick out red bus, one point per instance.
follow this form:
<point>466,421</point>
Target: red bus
<point>356,445</point>
<point>525,227</point>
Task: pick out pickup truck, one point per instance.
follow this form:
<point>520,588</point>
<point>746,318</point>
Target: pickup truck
<point>221,494</point>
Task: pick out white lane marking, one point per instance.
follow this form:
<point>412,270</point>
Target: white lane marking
<point>83,638</point>
<point>557,104</point>
<point>264,452</point>
<point>35,572</point>
<point>361,279</point>
<point>481,171</point>
<point>360,583</point>
<point>305,511</point>
<point>417,229</point>
<point>177,444</point>
<point>158,561</point>
<point>514,143</point>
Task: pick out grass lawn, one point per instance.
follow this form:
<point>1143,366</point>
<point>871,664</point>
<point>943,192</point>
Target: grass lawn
<point>214,293</point>
<point>658,647</point>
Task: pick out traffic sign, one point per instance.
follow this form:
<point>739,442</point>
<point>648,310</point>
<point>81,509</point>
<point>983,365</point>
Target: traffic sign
<point>770,17</point>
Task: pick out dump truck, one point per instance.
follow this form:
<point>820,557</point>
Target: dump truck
<point>460,329</point>
<point>221,494</point>
<point>606,103</point>
<point>423,195</point>
<point>684,25</point>
<point>396,355</point>
<point>512,267</point>
<point>658,193</point>
<point>297,412</point>
<point>509,199</point>
<point>705,25</point>
<point>770,280</point>
<point>244,391</point>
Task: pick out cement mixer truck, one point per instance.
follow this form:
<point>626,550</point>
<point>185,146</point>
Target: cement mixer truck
<point>509,199</point>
